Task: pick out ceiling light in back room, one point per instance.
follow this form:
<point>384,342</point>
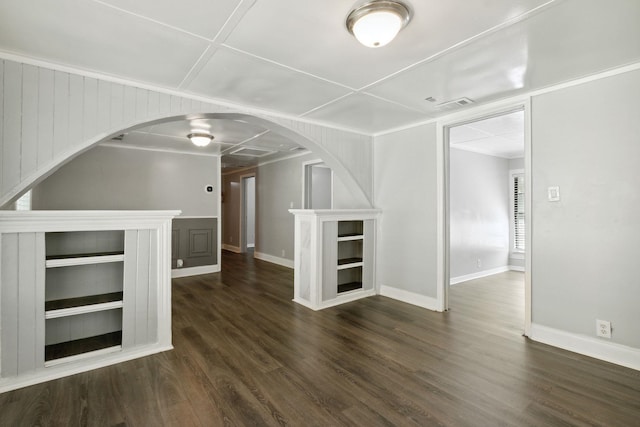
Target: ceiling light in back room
<point>200,138</point>
<point>378,22</point>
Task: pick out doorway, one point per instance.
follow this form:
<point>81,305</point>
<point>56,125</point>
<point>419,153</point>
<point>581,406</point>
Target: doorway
<point>248,213</point>
<point>485,222</point>
<point>317,192</point>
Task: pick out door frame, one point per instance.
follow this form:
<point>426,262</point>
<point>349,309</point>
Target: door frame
<point>305,180</point>
<point>443,188</point>
<point>243,208</point>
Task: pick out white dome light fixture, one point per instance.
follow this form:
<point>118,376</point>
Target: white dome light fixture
<point>378,22</point>
<point>201,139</point>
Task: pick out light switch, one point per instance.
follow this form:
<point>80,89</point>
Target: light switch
<point>554,194</point>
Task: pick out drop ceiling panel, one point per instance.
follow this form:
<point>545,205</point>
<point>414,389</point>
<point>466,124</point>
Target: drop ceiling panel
<point>567,40</point>
<point>366,113</point>
<point>229,131</point>
<point>92,36</point>
<point>166,143</point>
<point>240,78</point>
<point>272,141</point>
<point>323,47</point>
<point>202,17</point>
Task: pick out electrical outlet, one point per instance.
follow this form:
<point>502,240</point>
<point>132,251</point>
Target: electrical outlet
<point>283,253</point>
<point>479,263</point>
<point>603,328</point>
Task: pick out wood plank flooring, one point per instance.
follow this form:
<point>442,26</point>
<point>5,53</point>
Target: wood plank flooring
<point>245,354</point>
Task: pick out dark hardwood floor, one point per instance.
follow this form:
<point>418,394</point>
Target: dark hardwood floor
<point>245,354</point>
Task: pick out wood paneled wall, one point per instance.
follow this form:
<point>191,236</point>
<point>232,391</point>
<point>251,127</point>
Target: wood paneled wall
<point>47,117</point>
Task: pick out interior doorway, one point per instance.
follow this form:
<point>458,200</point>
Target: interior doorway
<point>317,185</point>
<point>248,213</point>
<point>486,169</point>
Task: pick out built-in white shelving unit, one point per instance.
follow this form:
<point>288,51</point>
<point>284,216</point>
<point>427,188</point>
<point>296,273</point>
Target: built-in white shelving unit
<point>81,290</point>
<point>334,256</point>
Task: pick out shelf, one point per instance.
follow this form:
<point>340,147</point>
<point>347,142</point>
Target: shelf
<point>86,347</point>
<point>349,263</point>
<point>82,301</point>
<point>83,309</point>
<point>83,259</point>
<point>350,237</point>
<point>352,286</point>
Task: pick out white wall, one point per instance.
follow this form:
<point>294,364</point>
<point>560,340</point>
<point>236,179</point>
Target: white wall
<point>479,213</point>
<point>586,140</point>
<point>405,190</point>
<point>119,178</point>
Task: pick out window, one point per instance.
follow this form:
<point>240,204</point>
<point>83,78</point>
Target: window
<point>24,202</point>
<point>518,218</point>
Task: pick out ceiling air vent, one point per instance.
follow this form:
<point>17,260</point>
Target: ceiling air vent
<point>456,103</point>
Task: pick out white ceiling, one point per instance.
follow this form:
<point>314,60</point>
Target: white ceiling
<point>501,136</point>
<point>240,144</point>
<point>296,57</point>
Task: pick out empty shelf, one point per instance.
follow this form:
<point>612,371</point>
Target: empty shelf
<point>83,259</point>
<point>85,345</point>
<point>82,301</point>
<point>346,287</point>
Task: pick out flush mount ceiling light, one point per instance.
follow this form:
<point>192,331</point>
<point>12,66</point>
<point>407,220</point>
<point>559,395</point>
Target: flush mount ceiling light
<point>378,22</point>
<point>201,139</point>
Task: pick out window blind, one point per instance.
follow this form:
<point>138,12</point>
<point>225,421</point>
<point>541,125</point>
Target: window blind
<point>518,212</point>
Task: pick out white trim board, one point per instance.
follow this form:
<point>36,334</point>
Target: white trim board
<point>410,297</point>
<point>274,259</point>
<point>516,268</point>
<point>194,271</point>
<point>478,275</point>
<point>64,370</point>
<point>231,248</point>
<point>589,346</point>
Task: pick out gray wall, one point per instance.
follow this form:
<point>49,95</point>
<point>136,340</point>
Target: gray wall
<point>278,186</point>
<point>278,189</point>
<point>320,187</point>
<point>405,190</point>
<point>479,212</point>
<point>120,178</point>
<point>585,247</point>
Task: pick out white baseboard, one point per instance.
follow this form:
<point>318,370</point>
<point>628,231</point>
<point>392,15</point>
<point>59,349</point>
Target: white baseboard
<point>588,346</point>
<point>274,259</point>
<point>251,245</point>
<point>231,248</point>
<point>64,370</point>
<point>478,275</point>
<point>340,299</point>
<point>410,297</point>
<point>194,271</point>
<point>516,268</point>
